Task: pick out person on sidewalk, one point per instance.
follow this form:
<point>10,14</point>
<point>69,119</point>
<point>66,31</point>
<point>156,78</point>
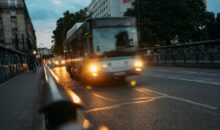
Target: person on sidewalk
<point>33,63</point>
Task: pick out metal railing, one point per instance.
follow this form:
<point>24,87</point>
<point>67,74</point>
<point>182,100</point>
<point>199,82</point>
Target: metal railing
<point>197,53</point>
<point>12,63</point>
<point>61,106</point>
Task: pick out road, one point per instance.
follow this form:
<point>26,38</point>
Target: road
<point>161,98</point>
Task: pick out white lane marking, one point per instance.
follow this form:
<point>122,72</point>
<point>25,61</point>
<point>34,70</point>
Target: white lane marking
<point>118,100</point>
<point>184,79</point>
<point>202,73</point>
<point>184,71</point>
<point>102,97</point>
<point>122,104</point>
<point>165,70</point>
<point>179,99</point>
<point>141,98</point>
<point>150,91</point>
<point>102,108</point>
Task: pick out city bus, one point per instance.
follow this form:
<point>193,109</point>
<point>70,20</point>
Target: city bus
<point>103,48</point>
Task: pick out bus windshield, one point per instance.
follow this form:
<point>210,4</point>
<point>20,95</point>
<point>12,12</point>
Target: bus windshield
<point>113,39</point>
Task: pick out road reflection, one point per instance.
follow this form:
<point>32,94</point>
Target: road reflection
<point>103,128</point>
<point>73,96</point>
<point>64,77</point>
<point>107,96</point>
<point>86,124</point>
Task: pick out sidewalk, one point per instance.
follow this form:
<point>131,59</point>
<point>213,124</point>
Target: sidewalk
<point>20,99</point>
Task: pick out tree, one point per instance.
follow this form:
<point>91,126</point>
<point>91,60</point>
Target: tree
<point>210,25</point>
<point>164,20</point>
<point>217,31</point>
<point>63,25</point>
<point>213,25</point>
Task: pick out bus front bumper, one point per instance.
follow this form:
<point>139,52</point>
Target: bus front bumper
<point>112,75</point>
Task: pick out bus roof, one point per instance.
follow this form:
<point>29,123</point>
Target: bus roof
<point>79,24</point>
<point>102,18</point>
<point>73,29</point>
<point>112,22</point>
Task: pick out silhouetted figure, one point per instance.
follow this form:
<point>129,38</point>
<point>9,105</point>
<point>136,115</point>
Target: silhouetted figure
<point>33,65</point>
<point>122,40</point>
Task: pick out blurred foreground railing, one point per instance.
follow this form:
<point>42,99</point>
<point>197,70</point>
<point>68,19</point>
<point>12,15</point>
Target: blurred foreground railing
<point>61,106</point>
<point>12,62</point>
<point>206,53</point>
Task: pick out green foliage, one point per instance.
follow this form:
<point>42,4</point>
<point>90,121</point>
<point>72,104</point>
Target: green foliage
<point>63,25</point>
<point>164,20</point>
<point>212,26</point>
<point>217,27</point>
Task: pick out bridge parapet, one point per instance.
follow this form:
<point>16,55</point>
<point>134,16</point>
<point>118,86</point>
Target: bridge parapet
<point>197,53</point>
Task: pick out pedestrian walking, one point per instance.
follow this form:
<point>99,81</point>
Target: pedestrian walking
<point>33,63</point>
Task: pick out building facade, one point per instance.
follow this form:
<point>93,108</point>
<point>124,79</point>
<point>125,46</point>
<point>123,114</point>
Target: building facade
<point>44,51</point>
<point>16,29</point>
<point>108,8</point>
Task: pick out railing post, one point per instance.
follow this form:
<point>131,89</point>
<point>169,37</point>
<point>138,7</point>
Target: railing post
<point>173,57</point>
<point>212,55</point>
<point>184,55</point>
<point>197,56</point>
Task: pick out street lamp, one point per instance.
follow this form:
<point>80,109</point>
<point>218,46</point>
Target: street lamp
<point>34,52</point>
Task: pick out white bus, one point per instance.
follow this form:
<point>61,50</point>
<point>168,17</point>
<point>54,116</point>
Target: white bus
<point>103,48</point>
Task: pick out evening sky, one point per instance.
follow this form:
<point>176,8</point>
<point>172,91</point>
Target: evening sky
<point>44,14</point>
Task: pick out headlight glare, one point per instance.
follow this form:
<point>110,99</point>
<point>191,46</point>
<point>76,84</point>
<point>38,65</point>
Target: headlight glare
<point>56,62</point>
<point>93,68</point>
<point>138,63</point>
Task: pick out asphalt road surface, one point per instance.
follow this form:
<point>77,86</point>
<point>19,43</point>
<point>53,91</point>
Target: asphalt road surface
<point>161,98</point>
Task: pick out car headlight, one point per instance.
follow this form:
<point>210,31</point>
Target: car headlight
<point>56,62</point>
<point>63,62</point>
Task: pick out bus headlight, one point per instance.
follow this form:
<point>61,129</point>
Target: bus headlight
<point>138,64</point>
<point>93,68</point>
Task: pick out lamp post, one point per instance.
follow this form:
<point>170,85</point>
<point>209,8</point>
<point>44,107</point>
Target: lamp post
<point>138,13</point>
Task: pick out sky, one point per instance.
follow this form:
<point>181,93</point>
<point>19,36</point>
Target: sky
<point>44,14</point>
